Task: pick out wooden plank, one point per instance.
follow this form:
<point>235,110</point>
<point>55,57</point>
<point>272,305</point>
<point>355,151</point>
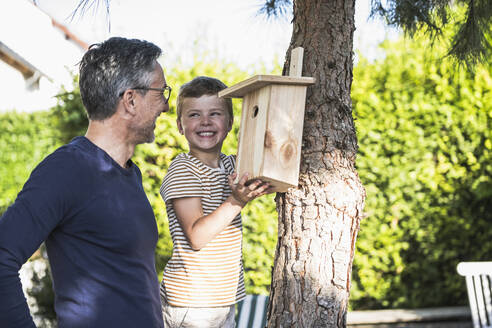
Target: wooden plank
<point>474,268</point>
<point>407,315</point>
<point>487,296</point>
<point>481,301</point>
<point>244,311</point>
<point>461,323</point>
<point>252,133</point>
<point>296,57</point>
<point>252,311</point>
<point>16,61</point>
<point>259,81</point>
<point>472,300</point>
<point>283,134</point>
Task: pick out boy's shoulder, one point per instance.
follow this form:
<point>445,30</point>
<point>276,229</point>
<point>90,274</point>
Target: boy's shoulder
<point>184,159</point>
<point>229,161</point>
<point>189,160</point>
<point>184,163</point>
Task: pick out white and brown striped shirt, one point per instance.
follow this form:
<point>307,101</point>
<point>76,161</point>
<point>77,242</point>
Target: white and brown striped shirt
<point>212,276</point>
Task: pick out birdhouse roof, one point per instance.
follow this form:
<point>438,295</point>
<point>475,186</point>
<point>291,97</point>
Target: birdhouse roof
<point>259,81</point>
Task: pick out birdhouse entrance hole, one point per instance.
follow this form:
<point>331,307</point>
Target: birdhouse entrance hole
<point>255,111</point>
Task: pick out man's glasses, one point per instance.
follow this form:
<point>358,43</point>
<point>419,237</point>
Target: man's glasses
<point>166,91</point>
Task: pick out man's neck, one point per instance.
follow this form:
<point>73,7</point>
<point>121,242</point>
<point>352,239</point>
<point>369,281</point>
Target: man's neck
<point>111,138</point>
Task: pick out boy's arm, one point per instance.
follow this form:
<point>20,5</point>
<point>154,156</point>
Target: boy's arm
<point>200,229</point>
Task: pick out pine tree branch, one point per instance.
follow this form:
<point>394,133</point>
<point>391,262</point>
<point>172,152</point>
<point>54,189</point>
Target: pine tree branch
<point>276,8</point>
<point>85,5</point>
<point>469,45</point>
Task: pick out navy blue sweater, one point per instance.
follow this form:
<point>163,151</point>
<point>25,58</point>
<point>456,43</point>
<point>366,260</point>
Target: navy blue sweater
<point>100,234</point>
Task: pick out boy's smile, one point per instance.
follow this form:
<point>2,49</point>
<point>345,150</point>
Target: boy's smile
<point>205,123</point>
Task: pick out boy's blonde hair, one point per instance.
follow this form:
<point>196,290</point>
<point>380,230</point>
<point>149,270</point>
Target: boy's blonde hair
<point>199,86</point>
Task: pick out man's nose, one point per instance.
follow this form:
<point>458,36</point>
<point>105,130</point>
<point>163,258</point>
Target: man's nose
<point>165,108</point>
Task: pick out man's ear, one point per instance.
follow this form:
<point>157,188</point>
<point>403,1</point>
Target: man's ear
<point>180,127</point>
<point>128,99</point>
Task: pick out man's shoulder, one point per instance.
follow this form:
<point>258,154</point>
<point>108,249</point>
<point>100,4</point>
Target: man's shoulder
<point>71,153</point>
<point>69,159</point>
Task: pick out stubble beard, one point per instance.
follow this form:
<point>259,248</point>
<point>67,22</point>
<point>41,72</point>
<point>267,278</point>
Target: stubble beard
<point>145,134</point>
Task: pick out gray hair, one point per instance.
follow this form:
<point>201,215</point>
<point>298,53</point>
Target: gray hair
<point>109,68</point>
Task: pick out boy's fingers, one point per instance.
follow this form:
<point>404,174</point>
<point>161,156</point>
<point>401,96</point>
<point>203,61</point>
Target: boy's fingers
<point>266,189</point>
<point>263,185</point>
<point>255,184</point>
<point>261,189</point>
<point>231,178</point>
<point>243,179</point>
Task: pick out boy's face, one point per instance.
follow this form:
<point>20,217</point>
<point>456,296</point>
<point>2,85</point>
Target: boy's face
<point>205,123</point>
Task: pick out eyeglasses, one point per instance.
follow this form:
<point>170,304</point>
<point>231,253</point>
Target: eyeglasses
<point>166,91</point>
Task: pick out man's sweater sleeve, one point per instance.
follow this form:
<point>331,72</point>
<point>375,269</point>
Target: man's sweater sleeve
<point>15,312</point>
<point>23,227</point>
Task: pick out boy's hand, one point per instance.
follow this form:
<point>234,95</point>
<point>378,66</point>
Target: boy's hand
<point>243,193</point>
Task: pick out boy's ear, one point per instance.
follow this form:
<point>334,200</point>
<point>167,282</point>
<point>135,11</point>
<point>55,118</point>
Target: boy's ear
<point>180,127</point>
<point>231,122</point>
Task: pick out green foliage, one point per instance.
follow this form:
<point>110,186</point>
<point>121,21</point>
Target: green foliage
<point>69,115</point>
<point>25,139</point>
<point>425,159</point>
<point>260,238</point>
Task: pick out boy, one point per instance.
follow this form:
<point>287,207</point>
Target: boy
<point>204,277</point>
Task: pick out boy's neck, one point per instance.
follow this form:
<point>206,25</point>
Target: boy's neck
<point>209,159</point>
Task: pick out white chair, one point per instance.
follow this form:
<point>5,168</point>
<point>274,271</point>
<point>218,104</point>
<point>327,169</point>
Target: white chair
<point>478,283</point>
<point>252,312</point>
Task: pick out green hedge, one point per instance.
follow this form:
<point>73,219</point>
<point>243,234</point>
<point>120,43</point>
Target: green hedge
<point>424,130</point>
<point>25,139</point>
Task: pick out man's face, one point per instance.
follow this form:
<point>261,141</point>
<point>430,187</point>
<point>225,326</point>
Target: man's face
<point>151,105</point>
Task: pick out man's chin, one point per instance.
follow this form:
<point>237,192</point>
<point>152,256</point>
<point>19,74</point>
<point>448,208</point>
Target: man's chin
<point>150,139</point>
<point>146,139</point>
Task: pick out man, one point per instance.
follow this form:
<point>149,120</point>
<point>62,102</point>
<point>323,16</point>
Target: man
<point>86,200</point>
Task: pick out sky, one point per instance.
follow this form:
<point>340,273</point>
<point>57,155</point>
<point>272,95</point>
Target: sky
<point>231,29</point>
<point>227,30</point>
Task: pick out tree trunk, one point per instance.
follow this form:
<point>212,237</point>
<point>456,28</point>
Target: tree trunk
<point>319,220</point>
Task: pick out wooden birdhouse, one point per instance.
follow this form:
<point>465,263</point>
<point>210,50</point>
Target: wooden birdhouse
<point>272,118</point>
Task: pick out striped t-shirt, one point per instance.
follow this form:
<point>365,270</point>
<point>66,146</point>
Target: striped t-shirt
<point>213,275</point>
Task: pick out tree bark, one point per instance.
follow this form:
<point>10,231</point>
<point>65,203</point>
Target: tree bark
<point>319,220</point>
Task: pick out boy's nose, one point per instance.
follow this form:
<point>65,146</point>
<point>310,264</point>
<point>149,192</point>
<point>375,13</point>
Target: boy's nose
<point>205,120</point>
